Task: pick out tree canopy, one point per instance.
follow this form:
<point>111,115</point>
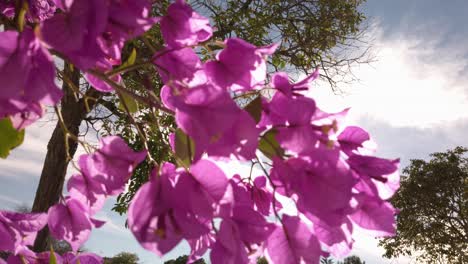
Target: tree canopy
<point>123,258</point>
<point>433,202</point>
<point>326,34</point>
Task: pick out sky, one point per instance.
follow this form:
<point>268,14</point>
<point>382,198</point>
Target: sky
<point>413,100</point>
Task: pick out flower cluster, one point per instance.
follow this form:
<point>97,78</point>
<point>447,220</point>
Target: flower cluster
<point>103,173</point>
<point>317,162</point>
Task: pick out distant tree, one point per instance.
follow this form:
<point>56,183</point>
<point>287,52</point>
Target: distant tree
<point>122,258</point>
<point>433,222</point>
<point>352,260</point>
<point>183,260</point>
<point>326,261</point>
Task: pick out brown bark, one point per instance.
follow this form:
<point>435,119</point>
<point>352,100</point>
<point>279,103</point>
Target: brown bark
<point>55,166</point>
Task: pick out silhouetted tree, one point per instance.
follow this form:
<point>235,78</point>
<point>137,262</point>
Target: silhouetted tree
<point>433,201</point>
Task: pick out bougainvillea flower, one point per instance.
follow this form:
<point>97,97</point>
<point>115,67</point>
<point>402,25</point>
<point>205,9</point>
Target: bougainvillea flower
<point>154,226</point>
<point>231,129</point>
<point>44,258</point>
<point>282,83</point>
<point>324,177</point>
<point>352,138</point>
<point>230,72</point>
<point>378,177</point>
<point>261,196</point>
<point>292,243</point>
<point>228,247</point>
<point>185,205</point>
<point>337,239</point>
<point>375,215</point>
<point>198,247</point>
<point>74,32</point>
<point>254,195</point>
<point>182,27</point>
<point>22,114</point>
<point>19,230</point>
<point>179,64</point>
<point>26,256</point>
<point>27,75</point>
<point>82,258</point>
<point>70,221</point>
<point>88,192</point>
<point>127,19</point>
<point>252,226</point>
<point>38,10</point>
<point>112,164</point>
<point>292,117</point>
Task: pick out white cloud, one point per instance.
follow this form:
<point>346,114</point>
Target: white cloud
<point>415,82</point>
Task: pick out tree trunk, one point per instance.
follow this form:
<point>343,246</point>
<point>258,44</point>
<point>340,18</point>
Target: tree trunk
<point>55,165</point>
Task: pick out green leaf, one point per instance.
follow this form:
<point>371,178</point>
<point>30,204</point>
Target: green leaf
<point>10,138</point>
<point>21,15</point>
<point>254,108</point>
<point>52,258</point>
<point>130,102</point>
<point>184,148</point>
<point>131,59</point>
<point>269,146</point>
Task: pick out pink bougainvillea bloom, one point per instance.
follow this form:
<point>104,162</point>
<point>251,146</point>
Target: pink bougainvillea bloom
<point>24,257</point>
<point>100,84</point>
<point>228,247</point>
<point>149,215</point>
<point>112,164</point>
<point>88,192</point>
<point>74,32</point>
<point>337,239</point>
<point>378,177</point>
<point>27,75</point>
<point>230,72</point>
<point>198,247</point>
<point>82,258</point>
<point>292,243</point>
<point>38,9</point>
<point>325,177</point>
<point>352,138</point>
<point>70,221</point>
<point>231,129</point>
<point>375,215</point>
<point>176,205</point>
<point>44,258</point>
<point>281,82</point>
<point>182,27</point>
<point>19,230</point>
<point>127,19</point>
<point>181,65</point>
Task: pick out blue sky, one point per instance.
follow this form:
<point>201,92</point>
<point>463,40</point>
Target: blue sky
<point>413,100</point>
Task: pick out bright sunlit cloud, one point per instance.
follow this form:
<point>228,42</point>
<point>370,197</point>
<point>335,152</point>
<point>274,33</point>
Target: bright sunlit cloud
<point>413,83</point>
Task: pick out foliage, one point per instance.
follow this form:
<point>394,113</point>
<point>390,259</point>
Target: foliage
<point>352,260</point>
<point>122,258</point>
<point>183,260</point>
<point>311,34</point>
<point>433,202</point>
<point>9,137</point>
<point>326,261</point>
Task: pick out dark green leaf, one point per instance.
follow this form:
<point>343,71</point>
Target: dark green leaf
<point>254,108</point>
<point>185,148</point>
<point>129,101</point>
<point>9,137</point>
<point>269,146</point>
<point>52,258</point>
